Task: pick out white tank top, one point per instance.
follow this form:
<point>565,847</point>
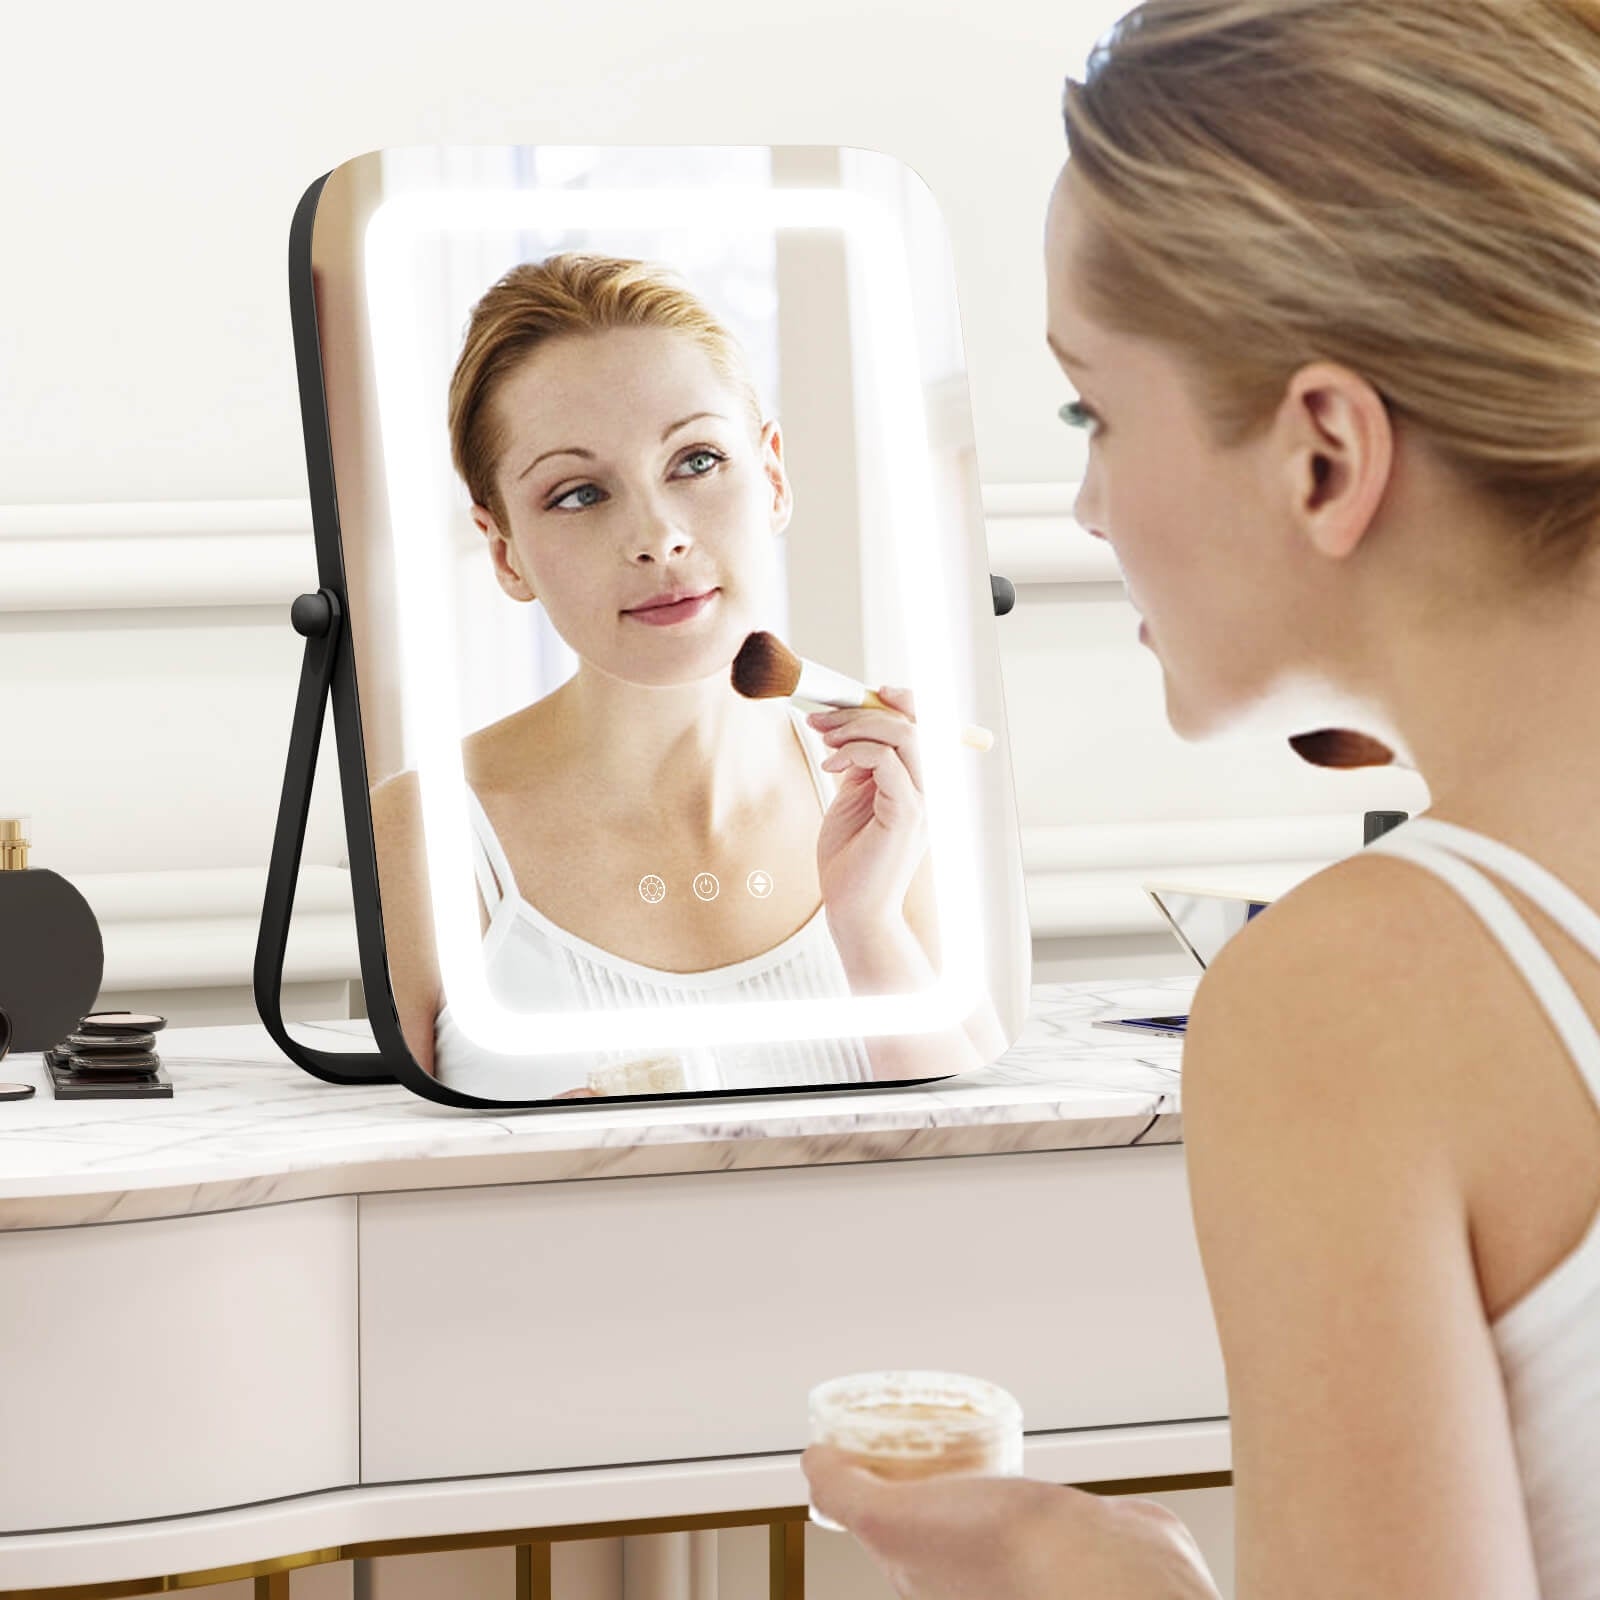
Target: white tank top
<point>532,964</point>
<point>1548,1341</point>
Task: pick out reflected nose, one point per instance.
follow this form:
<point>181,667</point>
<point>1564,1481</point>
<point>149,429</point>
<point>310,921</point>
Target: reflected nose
<point>661,540</point>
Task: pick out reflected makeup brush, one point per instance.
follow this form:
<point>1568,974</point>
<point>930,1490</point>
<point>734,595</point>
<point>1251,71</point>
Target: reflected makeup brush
<point>767,669</point>
<point>1343,747</point>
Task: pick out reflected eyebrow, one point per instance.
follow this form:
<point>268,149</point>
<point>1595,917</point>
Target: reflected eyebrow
<point>1065,356</point>
<point>588,455</point>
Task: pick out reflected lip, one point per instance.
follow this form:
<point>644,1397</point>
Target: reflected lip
<point>672,598</point>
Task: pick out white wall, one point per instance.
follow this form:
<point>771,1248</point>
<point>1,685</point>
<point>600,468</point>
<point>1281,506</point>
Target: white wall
<point>154,154</point>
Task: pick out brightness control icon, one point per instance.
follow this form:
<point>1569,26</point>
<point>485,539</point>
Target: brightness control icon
<point>706,886</point>
<point>651,889</point>
<point>759,884</point>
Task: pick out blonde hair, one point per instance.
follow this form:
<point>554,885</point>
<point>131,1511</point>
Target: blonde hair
<point>571,293</point>
<point>1410,188</point>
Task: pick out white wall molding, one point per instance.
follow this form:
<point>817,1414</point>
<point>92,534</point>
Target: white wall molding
<point>196,928</point>
<point>1100,905</point>
<point>1033,539</point>
<point>139,554</point>
<point>135,555</point>
<point>1086,881</point>
<point>1197,842</point>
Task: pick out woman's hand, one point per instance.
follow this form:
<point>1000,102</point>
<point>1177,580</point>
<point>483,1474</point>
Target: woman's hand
<point>1008,1538</point>
<point>874,833</point>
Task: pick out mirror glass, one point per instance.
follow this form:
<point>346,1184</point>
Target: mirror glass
<point>624,440</point>
<point>1205,919</point>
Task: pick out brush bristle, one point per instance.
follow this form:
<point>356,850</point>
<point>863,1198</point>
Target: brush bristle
<point>1341,747</point>
<point>765,668</point>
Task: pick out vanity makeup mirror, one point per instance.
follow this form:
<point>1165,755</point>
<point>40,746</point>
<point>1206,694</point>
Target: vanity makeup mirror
<point>604,444</point>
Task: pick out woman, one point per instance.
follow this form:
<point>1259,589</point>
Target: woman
<point>1326,277</point>
<point>643,834</point>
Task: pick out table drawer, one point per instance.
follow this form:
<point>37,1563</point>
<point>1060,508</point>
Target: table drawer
<point>572,1324</point>
<point>152,1369</point>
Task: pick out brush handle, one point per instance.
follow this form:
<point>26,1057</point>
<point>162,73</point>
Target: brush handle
<point>823,686</point>
<point>974,737</point>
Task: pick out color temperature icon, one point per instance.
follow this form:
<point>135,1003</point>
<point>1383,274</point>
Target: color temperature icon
<point>651,889</point>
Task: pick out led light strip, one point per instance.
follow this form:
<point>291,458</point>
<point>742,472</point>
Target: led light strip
<point>395,236</point>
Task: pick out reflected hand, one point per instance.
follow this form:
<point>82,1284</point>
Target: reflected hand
<point>874,833</point>
<point>1008,1538</point>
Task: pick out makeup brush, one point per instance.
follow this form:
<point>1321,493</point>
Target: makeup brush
<point>767,669</point>
<point>1342,747</point>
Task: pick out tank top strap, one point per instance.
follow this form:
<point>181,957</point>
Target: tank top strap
<point>494,874</point>
<point>1575,916</point>
<point>1425,842</point>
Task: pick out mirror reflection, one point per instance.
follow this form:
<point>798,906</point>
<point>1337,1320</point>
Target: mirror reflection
<point>686,670</point>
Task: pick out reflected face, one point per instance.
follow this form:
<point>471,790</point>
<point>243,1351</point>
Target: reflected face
<point>639,509</point>
<point>1210,568</point>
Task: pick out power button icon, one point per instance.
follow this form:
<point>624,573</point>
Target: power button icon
<point>759,884</point>
<point>706,886</point>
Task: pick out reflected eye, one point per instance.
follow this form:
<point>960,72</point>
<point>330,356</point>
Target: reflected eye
<point>709,458</point>
<point>701,461</point>
<point>1077,415</point>
<point>583,488</point>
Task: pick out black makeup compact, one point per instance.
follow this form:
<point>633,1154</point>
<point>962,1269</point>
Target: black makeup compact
<point>114,1024</point>
<point>10,1091</point>
<point>110,1055</point>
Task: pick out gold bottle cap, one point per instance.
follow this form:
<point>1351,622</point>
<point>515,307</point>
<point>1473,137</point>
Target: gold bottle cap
<point>13,844</point>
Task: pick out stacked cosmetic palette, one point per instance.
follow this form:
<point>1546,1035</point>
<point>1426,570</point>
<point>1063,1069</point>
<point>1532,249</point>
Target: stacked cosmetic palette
<point>110,1055</point>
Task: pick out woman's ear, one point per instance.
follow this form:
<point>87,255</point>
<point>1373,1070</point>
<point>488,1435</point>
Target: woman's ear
<point>502,556</point>
<point>1339,456</point>
<point>782,505</point>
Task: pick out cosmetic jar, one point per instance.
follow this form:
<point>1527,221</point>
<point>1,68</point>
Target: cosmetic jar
<point>51,955</point>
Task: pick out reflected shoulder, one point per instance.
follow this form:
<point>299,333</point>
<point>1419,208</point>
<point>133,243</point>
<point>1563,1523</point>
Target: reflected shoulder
<point>396,803</point>
<point>516,752</point>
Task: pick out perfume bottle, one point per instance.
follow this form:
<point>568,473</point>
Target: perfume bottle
<point>51,955</point>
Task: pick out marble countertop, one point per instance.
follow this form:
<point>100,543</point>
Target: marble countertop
<point>246,1127</point>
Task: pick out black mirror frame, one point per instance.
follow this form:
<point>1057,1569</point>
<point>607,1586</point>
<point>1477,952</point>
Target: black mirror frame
<point>328,671</point>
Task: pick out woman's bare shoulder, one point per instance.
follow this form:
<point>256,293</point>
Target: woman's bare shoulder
<point>1354,973</point>
<point>1335,1049</point>
<point>396,807</point>
<point>519,752</point>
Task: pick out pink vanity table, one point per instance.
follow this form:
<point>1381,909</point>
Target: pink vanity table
<point>272,1322</point>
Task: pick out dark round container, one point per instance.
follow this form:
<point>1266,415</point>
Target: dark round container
<point>51,956</point>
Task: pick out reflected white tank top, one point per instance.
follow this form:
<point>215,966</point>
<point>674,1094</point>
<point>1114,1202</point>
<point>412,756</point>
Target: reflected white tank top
<point>1549,1341</point>
<point>533,964</point>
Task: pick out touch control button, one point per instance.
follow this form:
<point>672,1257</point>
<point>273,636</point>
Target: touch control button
<point>651,889</point>
<point>706,886</point>
<point>759,884</point>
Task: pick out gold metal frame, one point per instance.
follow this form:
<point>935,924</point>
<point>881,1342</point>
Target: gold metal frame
<point>786,1563</point>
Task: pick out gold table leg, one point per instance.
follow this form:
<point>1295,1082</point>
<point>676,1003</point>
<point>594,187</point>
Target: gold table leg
<point>786,1549</point>
<point>786,1561</point>
<point>533,1571</point>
